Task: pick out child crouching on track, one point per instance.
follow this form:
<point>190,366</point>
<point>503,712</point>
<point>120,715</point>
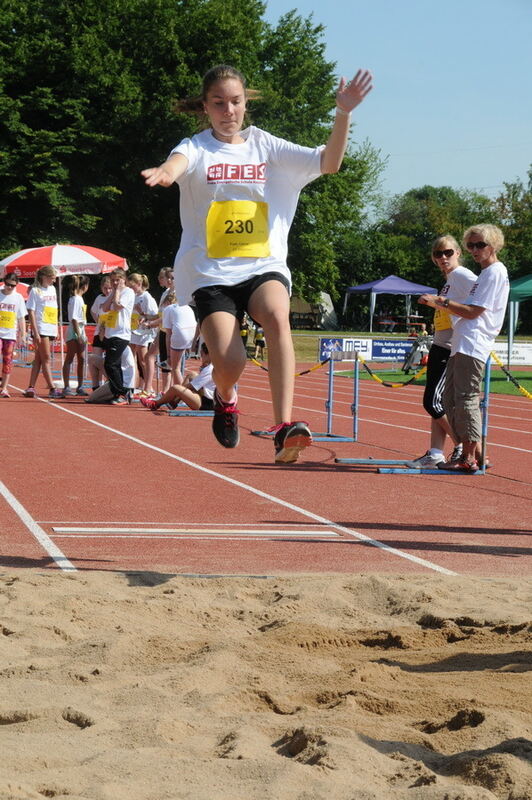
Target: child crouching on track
<point>197,389</point>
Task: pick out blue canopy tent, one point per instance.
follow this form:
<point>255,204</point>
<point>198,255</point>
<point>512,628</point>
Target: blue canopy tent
<point>520,289</point>
<point>390,285</point>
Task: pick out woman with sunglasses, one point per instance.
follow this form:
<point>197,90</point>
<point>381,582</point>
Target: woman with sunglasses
<point>480,319</point>
<point>12,326</point>
<point>458,283</point>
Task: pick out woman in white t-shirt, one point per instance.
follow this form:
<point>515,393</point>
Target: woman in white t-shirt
<point>142,335</point>
<point>96,356</point>
<point>12,326</point>
<point>238,195</point>
<point>446,255</point>
<point>117,309</point>
<point>181,329</point>
<point>42,313</point>
<point>479,319</point>
<point>158,345</point>
<point>76,340</point>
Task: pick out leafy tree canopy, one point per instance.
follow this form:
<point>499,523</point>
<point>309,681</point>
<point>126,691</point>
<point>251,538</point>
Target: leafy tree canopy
<point>87,91</point>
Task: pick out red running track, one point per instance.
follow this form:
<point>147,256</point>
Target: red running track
<point>98,487</point>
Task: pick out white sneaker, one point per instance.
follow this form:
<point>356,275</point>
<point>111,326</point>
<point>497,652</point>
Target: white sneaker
<point>428,460</point>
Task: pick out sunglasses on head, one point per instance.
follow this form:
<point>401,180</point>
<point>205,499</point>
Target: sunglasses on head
<point>439,253</point>
<point>476,245</point>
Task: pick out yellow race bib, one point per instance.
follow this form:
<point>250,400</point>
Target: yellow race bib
<point>135,321</point>
<point>442,320</point>
<point>237,229</point>
<point>8,319</point>
<point>49,315</point>
<point>84,313</point>
<point>111,319</point>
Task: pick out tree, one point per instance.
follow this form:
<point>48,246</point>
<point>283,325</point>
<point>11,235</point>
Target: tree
<point>87,93</point>
<point>514,209</point>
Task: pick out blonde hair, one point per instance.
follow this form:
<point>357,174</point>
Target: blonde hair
<point>491,234</point>
<point>44,272</point>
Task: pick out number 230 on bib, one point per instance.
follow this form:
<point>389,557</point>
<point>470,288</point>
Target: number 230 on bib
<point>237,229</point>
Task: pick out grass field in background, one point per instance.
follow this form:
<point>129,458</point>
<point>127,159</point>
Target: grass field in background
<point>499,383</point>
<point>306,347</point>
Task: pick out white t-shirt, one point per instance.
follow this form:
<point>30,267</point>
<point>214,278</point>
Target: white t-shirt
<point>145,305</point>
<point>203,380</point>
<point>77,309</point>
<point>44,303</point>
<point>96,306</point>
<point>475,337</point>
<point>261,170</point>
<point>459,283</point>
<point>118,321</point>
<point>182,322</point>
<point>12,308</point>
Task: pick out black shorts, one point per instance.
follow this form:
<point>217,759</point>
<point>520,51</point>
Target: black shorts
<point>207,404</point>
<point>433,394</point>
<point>232,299</point>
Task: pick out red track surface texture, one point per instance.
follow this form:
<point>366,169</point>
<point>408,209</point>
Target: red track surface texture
<point>98,487</point>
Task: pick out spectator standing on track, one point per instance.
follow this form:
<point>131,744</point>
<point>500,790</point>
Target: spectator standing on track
<point>96,356</point>
<point>260,343</point>
<point>197,389</point>
<point>480,319</point>
<point>42,313</point>
<point>142,335</point>
<point>12,326</point>
<point>76,340</point>
<point>117,308</point>
<point>181,328</point>
<point>458,283</point>
<point>158,346</point>
<point>239,192</point>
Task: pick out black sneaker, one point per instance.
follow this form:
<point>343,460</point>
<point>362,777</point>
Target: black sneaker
<point>291,438</point>
<point>225,422</point>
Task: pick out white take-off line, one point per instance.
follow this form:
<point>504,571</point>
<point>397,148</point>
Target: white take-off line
<point>42,537</point>
<point>393,551</point>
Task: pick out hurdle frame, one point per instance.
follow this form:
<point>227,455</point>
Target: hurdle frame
<point>411,470</point>
<point>328,435</point>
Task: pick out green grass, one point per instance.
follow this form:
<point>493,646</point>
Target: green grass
<point>306,342</point>
<point>306,347</point>
<point>499,384</point>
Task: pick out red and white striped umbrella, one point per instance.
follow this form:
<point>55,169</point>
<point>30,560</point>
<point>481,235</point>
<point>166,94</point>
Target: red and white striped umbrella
<point>68,259</point>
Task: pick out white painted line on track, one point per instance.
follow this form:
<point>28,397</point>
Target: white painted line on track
<point>205,532</point>
<point>393,551</point>
<point>44,540</point>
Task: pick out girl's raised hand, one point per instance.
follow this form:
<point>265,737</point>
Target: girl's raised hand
<point>350,95</point>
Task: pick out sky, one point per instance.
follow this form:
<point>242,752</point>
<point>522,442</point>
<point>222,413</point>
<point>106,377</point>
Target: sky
<point>452,97</point>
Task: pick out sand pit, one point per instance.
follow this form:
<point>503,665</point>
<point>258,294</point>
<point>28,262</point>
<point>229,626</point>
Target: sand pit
<point>156,687</point>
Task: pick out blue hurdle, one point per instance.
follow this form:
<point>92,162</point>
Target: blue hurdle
<point>405,469</point>
<point>328,436</point>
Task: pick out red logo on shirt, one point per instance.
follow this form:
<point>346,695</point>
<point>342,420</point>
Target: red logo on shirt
<point>236,173</point>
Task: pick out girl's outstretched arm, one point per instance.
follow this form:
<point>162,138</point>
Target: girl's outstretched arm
<point>166,174</point>
<point>348,96</point>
